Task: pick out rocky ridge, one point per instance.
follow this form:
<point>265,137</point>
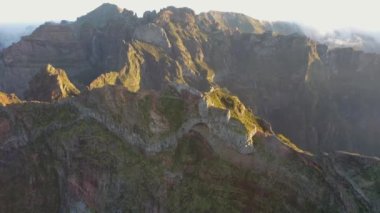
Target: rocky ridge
<point>50,84</point>
<point>110,142</point>
<point>164,131</point>
<point>283,78</point>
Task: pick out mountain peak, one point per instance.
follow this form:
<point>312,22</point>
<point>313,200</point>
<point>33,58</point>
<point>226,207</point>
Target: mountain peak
<point>182,109</point>
<point>50,84</point>
<point>179,10</point>
<point>179,15</point>
<point>103,14</point>
<point>109,7</point>
<point>52,70</point>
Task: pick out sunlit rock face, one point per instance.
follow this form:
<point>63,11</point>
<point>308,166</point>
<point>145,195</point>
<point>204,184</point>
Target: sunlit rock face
<point>6,99</point>
<point>183,112</point>
<point>292,79</point>
<point>285,78</point>
<point>50,84</point>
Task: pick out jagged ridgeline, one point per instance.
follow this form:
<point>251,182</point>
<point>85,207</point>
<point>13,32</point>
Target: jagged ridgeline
<point>179,112</point>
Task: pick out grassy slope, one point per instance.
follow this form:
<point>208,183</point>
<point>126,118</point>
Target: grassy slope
<point>96,167</point>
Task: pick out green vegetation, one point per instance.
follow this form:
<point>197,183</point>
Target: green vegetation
<point>369,180</point>
<point>172,106</point>
<point>181,35</point>
<point>130,77</point>
<point>90,151</point>
<point>222,99</point>
<point>211,184</point>
<point>286,141</point>
<point>194,178</point>
<point>207,184</point>
<point>43,115</point>
<point>154,51</point>
<point>145,106</point>
<point>69,157</point>
<point>177,34</point>
<point>96,145</point>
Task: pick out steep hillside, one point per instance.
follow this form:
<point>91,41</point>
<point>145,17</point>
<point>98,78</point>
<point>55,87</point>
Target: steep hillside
<point>180,112</point>
<point>326,95</point>
<point>111,150</point>
<point>50,84</point>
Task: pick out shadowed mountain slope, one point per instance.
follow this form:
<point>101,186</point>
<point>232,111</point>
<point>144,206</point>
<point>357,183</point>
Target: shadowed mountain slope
<point>50,84</point>
<point>186,113</point>
<point>284,78</point>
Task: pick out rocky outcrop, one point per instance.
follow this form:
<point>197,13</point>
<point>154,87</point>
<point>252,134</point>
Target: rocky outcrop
<point>168,116</point>
<point>160,130</point>
<point>104,14</point>
<point>153,34</point>
<point>85,48</point>
<point>129,76</point>
<point>50,84</point>
<point>6,99</point>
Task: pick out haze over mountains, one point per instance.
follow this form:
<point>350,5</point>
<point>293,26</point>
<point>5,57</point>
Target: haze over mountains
<point>11,33</point>
<point>182,112</point>
<point>340,37</point>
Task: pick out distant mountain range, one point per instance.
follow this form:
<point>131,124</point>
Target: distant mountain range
<point>357,39</point>
<point>11,33</point>
<point>183,112</point>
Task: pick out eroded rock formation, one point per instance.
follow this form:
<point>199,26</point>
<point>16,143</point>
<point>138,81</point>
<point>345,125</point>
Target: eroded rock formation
<point>50,84</point>
<point>183,112</point>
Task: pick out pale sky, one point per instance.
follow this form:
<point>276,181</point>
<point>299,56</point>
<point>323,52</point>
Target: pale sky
<point>321,14</point>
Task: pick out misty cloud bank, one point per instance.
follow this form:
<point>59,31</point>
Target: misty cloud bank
<point>356,39</point>
<point>338,38</point>
<point>11,33</point>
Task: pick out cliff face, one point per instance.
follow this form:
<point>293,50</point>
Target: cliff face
<point>284,78</point>
<point>183,112</point>
<point>50,84</point>
<point>327,97</point>
<point>54,44</point>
